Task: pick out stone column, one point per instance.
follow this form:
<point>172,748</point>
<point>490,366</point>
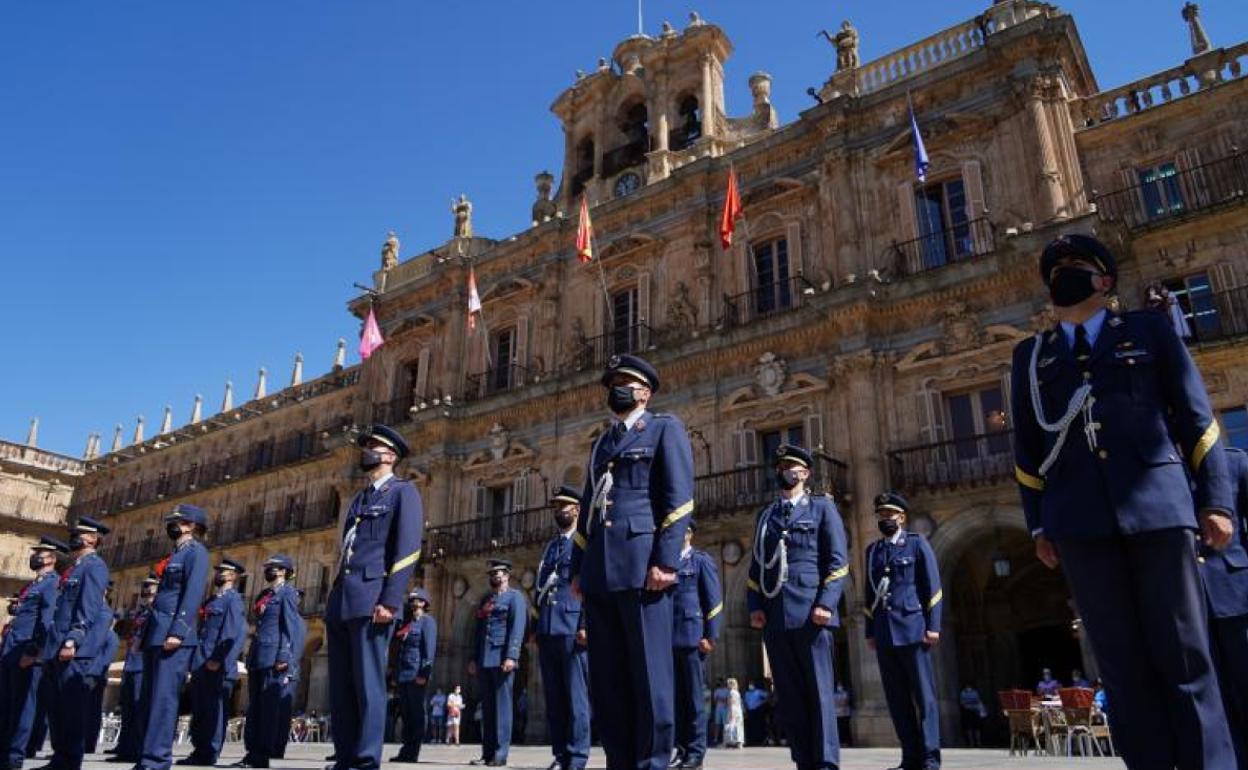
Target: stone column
<point>569,168</point>
<point>708,97</point>
<point>1052,200</point>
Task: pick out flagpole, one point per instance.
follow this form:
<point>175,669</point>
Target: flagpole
<point>927,212</point>
<point>602,275</point>
<point>640,28</point>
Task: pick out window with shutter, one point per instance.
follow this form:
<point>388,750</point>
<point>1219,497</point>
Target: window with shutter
<point>421,384</point>
<point>814,431</point>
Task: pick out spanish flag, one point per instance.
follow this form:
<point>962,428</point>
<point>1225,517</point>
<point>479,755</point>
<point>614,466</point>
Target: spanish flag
<point>585,234</point>
<point>732,210</point>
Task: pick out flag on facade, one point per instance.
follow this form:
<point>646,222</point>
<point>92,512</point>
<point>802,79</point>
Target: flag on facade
<point>732,210</point>
<point>920,152</point>
<point>474,300</point>
<point>371,339</point>
<point>584,234</point>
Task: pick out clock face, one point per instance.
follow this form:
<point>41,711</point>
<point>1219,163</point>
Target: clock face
<point>626,183</point>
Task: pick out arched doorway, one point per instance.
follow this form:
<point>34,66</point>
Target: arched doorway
<point>1006,615</point>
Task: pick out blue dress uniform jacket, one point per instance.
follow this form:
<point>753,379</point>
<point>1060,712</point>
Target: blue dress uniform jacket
<point>19,687</point>
<point>1120,508</point>
<point>80,608</point>
<point>133,715</point>
<point>1149,396</point>
<point>278,638</point>
<point>78,604</point>
<point>417,647</point>
<point>105,648</point>
<point>911,604</point>
<point>277,628</point>
<point>698,603</point>
<point>798,563</point>
<point>899,612</point>
<point>648,507</point>
<point>101,644</point>
<point>1226,572</point>
<point>556,612</point>
<point>222,633</point>
<point>558,617</point>
<point>175,609</point>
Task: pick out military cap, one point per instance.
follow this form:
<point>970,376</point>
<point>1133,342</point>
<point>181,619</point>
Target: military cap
<point>891,501</point>
<point>634,367</point>
<point>230,564</point>
<point>386,435</point>
<point>186,512</point>
<point>565,495</point>
<point>90,525</point>
<point>795,454</point>
<point>497,564</point>
<point>1076,246</point>
<point>50,544</point>
<point>283,561</point>
<point>419,595</point>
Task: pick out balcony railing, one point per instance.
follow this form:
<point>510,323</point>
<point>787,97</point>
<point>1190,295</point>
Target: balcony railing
<point>1225,317</point>
<point>596,351</point>
<point>626,156</point>
<point>985,458</point>
<point>498,379</point>
<point>766,301</point>
<point>397,410</point>
<point>1170,194</point>
<point>490,533</point>
<point>943,247</point>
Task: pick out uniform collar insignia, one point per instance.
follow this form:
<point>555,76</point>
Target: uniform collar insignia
<point>1115,321</point>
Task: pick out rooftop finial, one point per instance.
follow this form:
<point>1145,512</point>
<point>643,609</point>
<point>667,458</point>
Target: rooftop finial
<point>32,435</point>
<point>166,422</point>
<point>262,383</point>
<point>116,439</point>
<point>89,452</point>
<point>227,403</point>
<point>197,411</point>
<point>1200,39</point>
<point>138,431</point>
<point>296,377</point>
<point>340,356</point>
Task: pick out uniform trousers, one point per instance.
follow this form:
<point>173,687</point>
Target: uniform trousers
<point>163,675</point>
<point>412,704</point>
<point>133,716</point>
<point>565,680</point>
<point>630,676</point>
<point>910,690</point>
<point>267,689</point>
<point>210,702</point>
<point>689,667</point>
<point>1142,603</point>
<point>19,696</point>
<point>358,653</point>
<point>1230,647</point>
<point>496,713</point>
<point>67,713</point>
<point>801,664</point>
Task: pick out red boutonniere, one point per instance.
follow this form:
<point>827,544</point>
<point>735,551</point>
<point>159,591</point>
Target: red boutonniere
<point>404,631</point>
<point>203,611</point>
<point>159,569</point>
<point>64,577</point>
<point>485,609</point>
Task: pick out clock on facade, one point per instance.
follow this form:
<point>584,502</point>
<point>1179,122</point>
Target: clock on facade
<point>626,183</point>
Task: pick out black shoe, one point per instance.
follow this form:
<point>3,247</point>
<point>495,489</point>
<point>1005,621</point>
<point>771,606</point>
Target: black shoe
<point>556,765</point>
<point>407,758</point>
<point>49,766</point>
<point>245,762</point>
<point>676,761</point>
<point>496,763</point>
<point>195,761</point>
<point>480,762</point>
<point>690,766</point>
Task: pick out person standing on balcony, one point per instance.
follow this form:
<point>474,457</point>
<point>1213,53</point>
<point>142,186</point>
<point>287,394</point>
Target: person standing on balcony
<point>130,700</point>
<point>272,663</point>
<point>902,602</point>
<point>170,635</point>
<point>1226,582</point>
<point>795,581</point>
<point>67,654</point>
<point>418,643</point>
<point>501,617</point>
<point>379,551</point>
<point>1108,408</point>
<point>214,667</point>
<point>637,503</point>
<point>24,640</point>
<point>562,640</point>
<point>698,604</point>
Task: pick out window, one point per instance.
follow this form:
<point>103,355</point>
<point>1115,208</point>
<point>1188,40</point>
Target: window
<point>977,423</point>
<point>1159,188</point>
<point>773,291</point>
<point>944,223</point>
<point>1198,305</point>
<point>1235,425</point>
<point>625,317</point>
<point>584,165</point>
<point>689,128</point>
<point>502,351</point>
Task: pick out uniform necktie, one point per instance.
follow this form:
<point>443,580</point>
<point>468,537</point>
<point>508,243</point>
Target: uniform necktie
<point>1082,349</point>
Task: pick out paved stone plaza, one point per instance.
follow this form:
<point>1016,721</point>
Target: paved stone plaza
<point>311,756</point>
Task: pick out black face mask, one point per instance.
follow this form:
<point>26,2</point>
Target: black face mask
<point>219,580</point>
<point>1070,286</point>
<point>271,574</point>
<point>173,530</point>
<point>564,520</point>
<point>76,543</point>
<point>496,581</point>
<point>888,527</point>
<point>621,399</point>
<point>147,596</point>
<point>786,481</point>
<point>36,562</point>
<point>369,459</point>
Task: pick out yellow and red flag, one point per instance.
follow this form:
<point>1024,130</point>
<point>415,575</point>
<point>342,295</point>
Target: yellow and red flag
<point>585,234</point>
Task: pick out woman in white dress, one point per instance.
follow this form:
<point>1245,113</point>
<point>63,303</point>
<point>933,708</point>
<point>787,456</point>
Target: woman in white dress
<point>454,713</point>
<point>734,727</point>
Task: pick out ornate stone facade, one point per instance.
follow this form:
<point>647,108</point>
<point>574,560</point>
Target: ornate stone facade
<point>857,312</point>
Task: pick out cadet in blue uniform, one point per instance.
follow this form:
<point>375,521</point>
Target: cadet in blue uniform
<point>796,577</point>
<point>272,662</point>
<point>902,602</point>
<point>24,640</point>
<point>1226,581</point>
<point>1100,403</point>
<point>133,716</point>
<point>697,609</point>
<point>501,617</point>
<point>67,656</point>
<point>214,666</point>
<point>637,502</point>
<point>561,641</point>
<point>105,650</point>
<point>170,635</point>
<point>379,551</point>
<point>418,642</point>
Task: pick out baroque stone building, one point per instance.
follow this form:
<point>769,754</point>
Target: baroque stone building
<point>858,311</point>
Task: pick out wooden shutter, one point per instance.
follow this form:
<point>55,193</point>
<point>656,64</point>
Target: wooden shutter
<point>976,207</point>
<point>793,235</point>
<point>814,431</point>
<point>1129,203</point>
<point>1192,179</point>
<point>747,448</point>
<point>908,228</point>
<point>478,501</point>
<point>642,314</point>
<point>421,387</point>
<point>520,351</point>
<point>520,492</point>
<point>931,415</point>
<point>1222,277</point>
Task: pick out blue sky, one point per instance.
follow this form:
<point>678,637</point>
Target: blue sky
<point>189,189</point>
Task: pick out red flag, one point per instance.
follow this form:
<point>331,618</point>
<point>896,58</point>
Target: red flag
<point>732,210</point>
<point>474,300</point>
<point>371,339</point>
<point>585,234</point>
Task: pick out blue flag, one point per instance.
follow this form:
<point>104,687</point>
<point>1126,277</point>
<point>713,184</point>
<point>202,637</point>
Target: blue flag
<point>920,152</point>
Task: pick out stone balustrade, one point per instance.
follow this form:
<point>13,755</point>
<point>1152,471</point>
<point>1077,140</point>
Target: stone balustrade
<point>39,458</point>
<point>1208,70</point>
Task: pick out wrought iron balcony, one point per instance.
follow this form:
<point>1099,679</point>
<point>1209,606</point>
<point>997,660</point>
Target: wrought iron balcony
<point>943,247</point>
<point>498,379</point>
<point>766,301</point>
<point>985,458</point>
<point>596,351</point>
<point>487,534</point>
<point>1168,194</point>
<point>1222,315</point>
